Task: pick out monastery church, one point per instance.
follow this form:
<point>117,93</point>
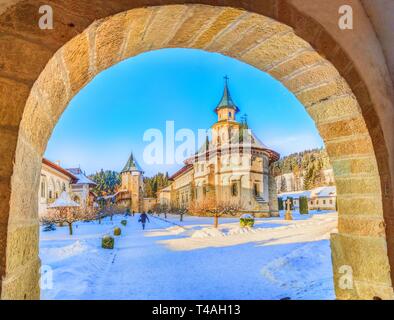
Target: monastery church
<point>234,167</point>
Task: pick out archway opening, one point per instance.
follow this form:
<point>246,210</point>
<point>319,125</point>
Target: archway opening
<point>124,108</point>
<point>262,42</point>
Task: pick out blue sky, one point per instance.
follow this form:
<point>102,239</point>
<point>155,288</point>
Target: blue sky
<point>108,118</point>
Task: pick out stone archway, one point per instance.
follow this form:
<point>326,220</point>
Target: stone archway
<point>339,104</point>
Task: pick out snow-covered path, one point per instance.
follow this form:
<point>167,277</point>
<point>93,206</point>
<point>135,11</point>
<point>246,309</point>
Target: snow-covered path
<point>277,259</point>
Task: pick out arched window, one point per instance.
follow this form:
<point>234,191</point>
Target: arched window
<point>43,191</point>
<point>77,199</point>
<point>63,187</point>
<point>256,190</point>
<point>234,189</point>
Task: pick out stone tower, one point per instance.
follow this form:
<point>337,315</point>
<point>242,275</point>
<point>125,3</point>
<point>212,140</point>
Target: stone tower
<point>132,181</point>
<point>226,111</point>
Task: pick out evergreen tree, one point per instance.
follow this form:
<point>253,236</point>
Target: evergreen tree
<point>155,184</point>
<point>107,182</point>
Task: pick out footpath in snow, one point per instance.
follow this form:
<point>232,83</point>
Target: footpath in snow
<point>191,260</point>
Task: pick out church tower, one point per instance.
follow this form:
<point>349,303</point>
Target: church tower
<point>226,111</point>
<point>132,181</point>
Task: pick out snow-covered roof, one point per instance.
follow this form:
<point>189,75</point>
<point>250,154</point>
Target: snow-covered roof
<point>64,201</point>
<point>321,192</point>
<point>295,195</point>
<point>81,177</point>
<point>324,192</point>
<point>132,165</point>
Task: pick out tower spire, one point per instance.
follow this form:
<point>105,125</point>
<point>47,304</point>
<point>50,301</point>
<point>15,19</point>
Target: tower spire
<point>132,165</point>
<point>226,102</point>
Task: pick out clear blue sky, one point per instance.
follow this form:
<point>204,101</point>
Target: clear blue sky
<point>108,118</point>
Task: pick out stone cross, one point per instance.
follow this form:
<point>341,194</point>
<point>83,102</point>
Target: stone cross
<point>288,205</point>
<point>288,215</point>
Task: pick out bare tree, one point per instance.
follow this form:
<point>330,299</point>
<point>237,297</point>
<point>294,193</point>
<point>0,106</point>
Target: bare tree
<point>162,208</point>
<point>69,215</point>
<point>179,211</point>
<point>215,209</point>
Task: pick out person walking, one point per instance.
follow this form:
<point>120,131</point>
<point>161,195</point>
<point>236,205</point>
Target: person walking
<point>143,219</point>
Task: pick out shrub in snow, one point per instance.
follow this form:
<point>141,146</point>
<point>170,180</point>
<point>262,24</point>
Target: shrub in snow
<point>107,242</point>
<point>304,205</point>
<point>247,220</point>
<point>124,222</point>
<point>117,231</point>
<point>49,227</point>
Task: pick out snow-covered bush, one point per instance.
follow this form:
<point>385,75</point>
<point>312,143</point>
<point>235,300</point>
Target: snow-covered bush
<point>124,222</point>
<point>247,220</point>
<point>117,231</point>
<point>107,242</point>
<point>49,226</point>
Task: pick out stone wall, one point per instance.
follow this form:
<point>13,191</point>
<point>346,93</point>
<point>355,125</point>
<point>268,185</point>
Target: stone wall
<point>345,88</point>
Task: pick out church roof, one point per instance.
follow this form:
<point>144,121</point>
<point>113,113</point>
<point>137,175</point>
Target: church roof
<point>226,101</point>
<point>132,165</point>
<point>81,177</point>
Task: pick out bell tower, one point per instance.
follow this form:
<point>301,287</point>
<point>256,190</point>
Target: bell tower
<point>132,181</point>
<point>226,111</point>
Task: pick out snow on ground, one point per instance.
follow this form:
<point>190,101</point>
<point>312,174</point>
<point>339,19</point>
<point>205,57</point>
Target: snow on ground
<point>191,260</point>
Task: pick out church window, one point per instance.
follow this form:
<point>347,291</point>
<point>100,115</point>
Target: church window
<point>234,189</point>
<point>50,194</point>
<point>43,189</point>
<point>256,190</point>
<point>64,187</point>
<point>204,190</point>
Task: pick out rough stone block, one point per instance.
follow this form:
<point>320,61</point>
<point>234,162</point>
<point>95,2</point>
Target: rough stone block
<point>37,123</point>
<point>237,32</point>
<point>362,226</point>
<point>354,146</point>
<point>323,92</point>
<point>311,76</point>
<point>53,85</point>
<point>23,284</point>
<point>76,54</point>
<point>367,257</point>
<point>22,246</point>
<point>334,108</point>
<point>355,166</point>
<point>163,27</point>
<point>274,49</point>
<point>301,60</point>
<point>13,96</point>
<point>108,42</point>
<point>226,17</point>
<point>360,205</point>
<point>31,58</point>
<point>358,185</point>
<point>342,128</point>
<point>136,22</point>
<point>7,151</point>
